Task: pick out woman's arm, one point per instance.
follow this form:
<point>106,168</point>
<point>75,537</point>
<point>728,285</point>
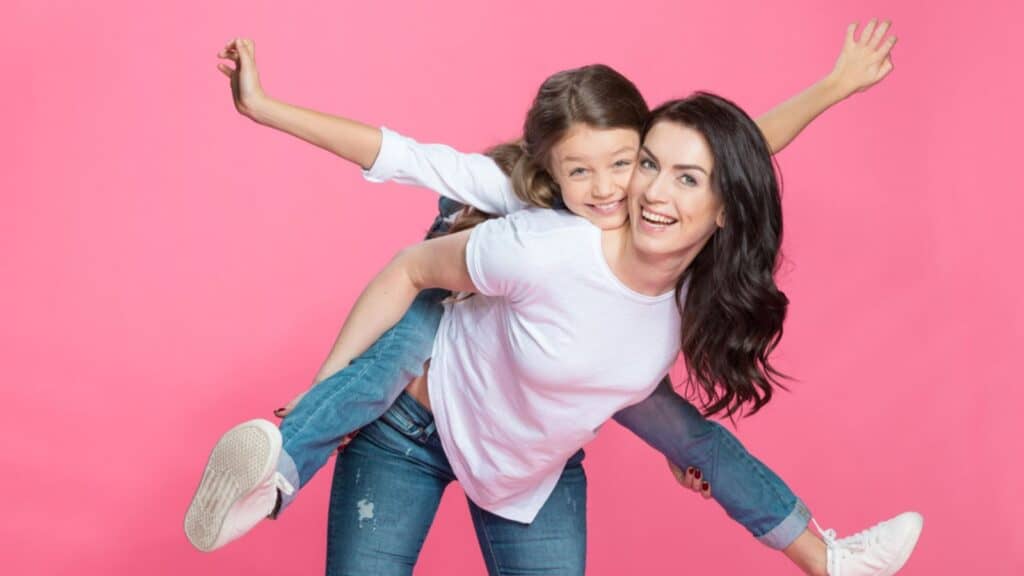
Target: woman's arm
<point>862,63</point>
<point>436,263</point>
<point>472,179</point>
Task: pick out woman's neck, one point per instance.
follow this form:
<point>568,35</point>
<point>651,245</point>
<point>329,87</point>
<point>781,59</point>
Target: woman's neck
<point>648,274</point>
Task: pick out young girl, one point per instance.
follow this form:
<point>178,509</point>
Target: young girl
<point>602,208</point>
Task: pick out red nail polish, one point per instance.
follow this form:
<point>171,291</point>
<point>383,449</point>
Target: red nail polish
<point>704,486</point>
<point>696,474</point>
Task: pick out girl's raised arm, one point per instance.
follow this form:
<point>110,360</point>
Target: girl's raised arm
<point>353,141</point>
<point>472,179</point>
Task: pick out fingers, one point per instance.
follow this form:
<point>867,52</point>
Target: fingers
<point>886,47</point>
<point>245,49</point>
<point>876,38</point>
<point>692,479</point>
<point>885,68</point>
<point>282,412</point>
<point>680,476</point>
<point>236,47</point>
<point>849,33</point>
<point>868,30</point>
<point>226,70</point>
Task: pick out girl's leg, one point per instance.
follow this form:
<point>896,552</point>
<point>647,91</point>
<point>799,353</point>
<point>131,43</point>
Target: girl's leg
<point>362,391</point>
<point>554,543</point>
<point>358,394</point>
<point>749,491</point>
<point>256,469</point>
<point>758,499</point>
<point>387,486</point>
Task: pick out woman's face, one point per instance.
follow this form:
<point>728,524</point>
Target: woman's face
<point>593,168</point>
<point>673,210</point>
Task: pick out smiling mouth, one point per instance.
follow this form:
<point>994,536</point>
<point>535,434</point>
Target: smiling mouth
<point>656,219</point>
<point>607,207</point>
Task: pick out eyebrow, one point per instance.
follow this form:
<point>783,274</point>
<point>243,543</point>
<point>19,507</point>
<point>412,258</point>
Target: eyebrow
<point>582,159</point>
<point>676,166</point>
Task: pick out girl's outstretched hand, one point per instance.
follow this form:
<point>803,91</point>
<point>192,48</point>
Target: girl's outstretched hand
<point>866,60</point>
<point>245,80</point>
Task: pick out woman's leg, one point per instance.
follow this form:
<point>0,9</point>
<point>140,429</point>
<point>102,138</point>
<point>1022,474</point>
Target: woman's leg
<point>387,486</point>
<point>554,543</point>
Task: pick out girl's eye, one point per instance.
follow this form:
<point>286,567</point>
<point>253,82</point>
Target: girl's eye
<point>577,171</point>
<point>623,163</point>
<point>688,180</point>
<point>647,164</point>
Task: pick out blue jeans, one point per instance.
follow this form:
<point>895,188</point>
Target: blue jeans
<point>388,484</point>
<point>749,492</point>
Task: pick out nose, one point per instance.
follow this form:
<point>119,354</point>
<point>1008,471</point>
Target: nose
<point>656,190</point>
<point>604,187</point>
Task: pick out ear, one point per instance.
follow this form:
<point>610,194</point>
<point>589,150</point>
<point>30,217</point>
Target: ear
<point>720,219</point>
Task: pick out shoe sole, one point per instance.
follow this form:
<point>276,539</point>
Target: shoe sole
<point>908,547</point>
<point>241,460</point>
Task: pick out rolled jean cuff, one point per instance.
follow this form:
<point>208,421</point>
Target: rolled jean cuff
<point>286,466</point>
<point>786,532</point>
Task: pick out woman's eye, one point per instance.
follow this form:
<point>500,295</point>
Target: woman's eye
<point>647,164</point>
<point>623,163</point>
<point>577,171</point>
<point>688,180</point>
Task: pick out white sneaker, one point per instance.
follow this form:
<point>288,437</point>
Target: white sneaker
<point>239,486</point>
<point>878,551</point>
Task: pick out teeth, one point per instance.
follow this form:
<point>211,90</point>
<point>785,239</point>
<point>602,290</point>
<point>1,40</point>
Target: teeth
<point>657,218</point>
<point>608,207</point>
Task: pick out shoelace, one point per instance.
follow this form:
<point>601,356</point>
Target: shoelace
<point>282,483</point>
<point>856,542</point>
<point>838,550</point>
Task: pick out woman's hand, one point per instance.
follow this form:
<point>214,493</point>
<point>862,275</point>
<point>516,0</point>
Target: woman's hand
<point>691,479</point>
<point>282,412</point>
<point>245,80</point>
<point>864,61</point>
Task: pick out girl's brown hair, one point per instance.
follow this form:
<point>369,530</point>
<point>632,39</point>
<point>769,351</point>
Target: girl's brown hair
<point>594,95</point>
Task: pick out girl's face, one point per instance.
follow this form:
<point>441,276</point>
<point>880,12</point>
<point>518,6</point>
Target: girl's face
<point>672,208</point>
<point>593,167</point>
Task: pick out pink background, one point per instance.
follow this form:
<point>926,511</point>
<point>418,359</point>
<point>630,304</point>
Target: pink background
<point>169,268</point>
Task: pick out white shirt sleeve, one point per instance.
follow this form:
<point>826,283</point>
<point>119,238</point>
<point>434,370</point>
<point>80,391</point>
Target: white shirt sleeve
<point>517,256</point>
<point>472,179</point>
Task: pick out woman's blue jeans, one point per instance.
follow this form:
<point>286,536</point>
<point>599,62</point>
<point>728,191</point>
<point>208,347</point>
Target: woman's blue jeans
<point>363,391</point>
<point>388,484</point>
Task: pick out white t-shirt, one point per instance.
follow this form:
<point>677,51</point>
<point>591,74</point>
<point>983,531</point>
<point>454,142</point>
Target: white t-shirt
<point>524,373</point>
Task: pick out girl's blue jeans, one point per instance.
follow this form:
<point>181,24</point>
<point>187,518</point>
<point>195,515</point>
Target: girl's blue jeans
<point>363,391</point>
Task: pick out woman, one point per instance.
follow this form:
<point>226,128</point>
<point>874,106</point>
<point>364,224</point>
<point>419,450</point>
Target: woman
<point>583,318</point>
<point>864,37</point>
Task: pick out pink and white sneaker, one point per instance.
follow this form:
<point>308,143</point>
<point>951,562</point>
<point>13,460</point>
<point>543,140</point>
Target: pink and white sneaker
<point>878,551</point>
<point>239,487</point>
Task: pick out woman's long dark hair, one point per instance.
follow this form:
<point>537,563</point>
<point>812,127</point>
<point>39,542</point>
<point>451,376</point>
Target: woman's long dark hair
<point>733,311</point>
<point>596,95</point>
